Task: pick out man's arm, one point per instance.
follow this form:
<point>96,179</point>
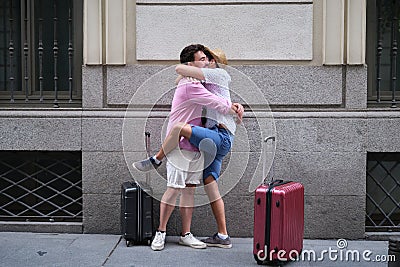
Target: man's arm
<point>198,94</point>
<point>190,71</point>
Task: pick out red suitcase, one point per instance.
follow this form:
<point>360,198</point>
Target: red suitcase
<point>278,221</point>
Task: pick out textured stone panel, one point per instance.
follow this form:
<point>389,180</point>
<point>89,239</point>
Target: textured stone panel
<point>31,133</point>
<point>321,134</point>
<point>334,217</point>
<point>239,215</point>
<point>324,173</point>
<point>102,134</point>
<point>42,227</point>
<point>356,87</point>
<point>149,85</point>
<point>295,85</point>
<point>140,84</point>
<point>92,87</point>
<point>244,174</point>
<point>104,172</point>
<point>273,32</point>
<point>101,213</point>
<point>383,134</point>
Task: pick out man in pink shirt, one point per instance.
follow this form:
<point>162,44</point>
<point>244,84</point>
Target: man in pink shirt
<point>187,104</point>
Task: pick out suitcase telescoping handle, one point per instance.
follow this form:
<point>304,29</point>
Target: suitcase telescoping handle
<point>271,171</point>
<point>147,144</point>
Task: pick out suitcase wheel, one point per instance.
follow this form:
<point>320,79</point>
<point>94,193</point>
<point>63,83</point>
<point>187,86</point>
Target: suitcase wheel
<point>268,262</point>
<point>259,262</point>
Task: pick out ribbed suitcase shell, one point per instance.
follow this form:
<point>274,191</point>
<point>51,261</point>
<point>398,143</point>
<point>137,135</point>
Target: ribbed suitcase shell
<point>136,213</point>
<point>278,221</point>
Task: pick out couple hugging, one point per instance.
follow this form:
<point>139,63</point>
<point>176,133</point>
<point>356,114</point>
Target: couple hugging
<point>196,143</point>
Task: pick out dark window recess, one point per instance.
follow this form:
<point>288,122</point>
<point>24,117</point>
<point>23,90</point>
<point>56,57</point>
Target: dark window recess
<point>382,55</point>
<point>383,192</point>
<point>40,186</point>
<point>40,52</point>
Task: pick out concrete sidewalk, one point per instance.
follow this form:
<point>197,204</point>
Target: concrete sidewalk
<point>36,249</point>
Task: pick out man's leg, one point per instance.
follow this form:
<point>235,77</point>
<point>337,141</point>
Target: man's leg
<point>186,208</point>
<point>167,206</point>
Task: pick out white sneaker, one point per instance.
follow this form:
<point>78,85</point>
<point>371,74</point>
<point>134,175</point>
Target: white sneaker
<point>191,241</point>
<point>158,241</point>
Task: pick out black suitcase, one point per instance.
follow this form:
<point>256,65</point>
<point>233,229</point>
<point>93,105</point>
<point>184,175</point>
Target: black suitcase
<point>136,213</point>
<point>137,209</point>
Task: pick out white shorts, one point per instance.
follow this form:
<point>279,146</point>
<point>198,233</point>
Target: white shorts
<point>184,167</point>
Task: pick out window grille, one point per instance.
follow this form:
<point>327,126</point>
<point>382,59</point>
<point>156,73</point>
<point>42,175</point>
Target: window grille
<point>40,186</point>
<point>382,52</point>
<point>383,192</point>
<point>40,52</point>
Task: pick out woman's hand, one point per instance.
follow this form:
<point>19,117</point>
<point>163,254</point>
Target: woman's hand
<point>239,109</point>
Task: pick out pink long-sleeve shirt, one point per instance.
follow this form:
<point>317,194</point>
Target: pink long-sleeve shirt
<point>187,104</point>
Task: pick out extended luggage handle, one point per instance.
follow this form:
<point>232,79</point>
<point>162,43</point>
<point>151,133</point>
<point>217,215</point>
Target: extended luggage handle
<point>271,171</point>
<point>147,144</point>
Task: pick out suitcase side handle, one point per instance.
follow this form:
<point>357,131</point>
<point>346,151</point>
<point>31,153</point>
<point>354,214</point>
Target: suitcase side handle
<point>271,171</point>
<point>269,138</point>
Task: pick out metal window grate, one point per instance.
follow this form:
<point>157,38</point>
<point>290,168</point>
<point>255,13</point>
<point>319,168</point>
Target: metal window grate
<point>382,52</point>
<point>41,52</point>
<point>40,186</point>
<point>383,192</point>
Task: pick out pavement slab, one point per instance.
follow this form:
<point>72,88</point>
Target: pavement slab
<point>39,249</point>
<point>33,249</point>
